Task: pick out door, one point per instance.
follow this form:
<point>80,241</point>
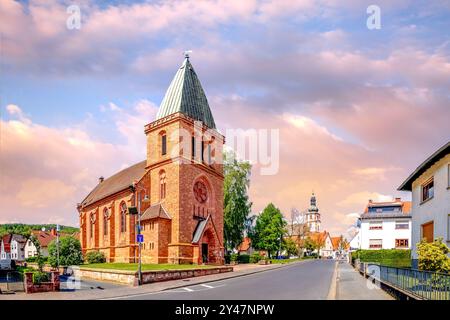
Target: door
<point>205,252</point>
<point>428,231</point>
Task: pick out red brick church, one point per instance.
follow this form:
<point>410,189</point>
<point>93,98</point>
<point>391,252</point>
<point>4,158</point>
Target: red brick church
<point>177,190</point>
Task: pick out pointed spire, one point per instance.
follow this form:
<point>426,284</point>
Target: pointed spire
<point>185,94</point>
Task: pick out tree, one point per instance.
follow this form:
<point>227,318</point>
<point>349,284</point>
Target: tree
<point>236,201</point>
<point>39,258</point>
<point>269,230</point>
<point>69,252</point>
<point>290,247</point>
<point>433,256</point>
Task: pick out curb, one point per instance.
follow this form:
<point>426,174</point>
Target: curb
<point>333,286</point>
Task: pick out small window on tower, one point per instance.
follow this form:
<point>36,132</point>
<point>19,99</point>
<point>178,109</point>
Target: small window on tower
<point>163,144</point>
<point>193,147</point>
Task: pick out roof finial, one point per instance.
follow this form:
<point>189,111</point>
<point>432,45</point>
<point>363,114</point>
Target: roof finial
<point>186,53</point>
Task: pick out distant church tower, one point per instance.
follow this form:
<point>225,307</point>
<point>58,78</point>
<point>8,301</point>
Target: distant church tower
<point>313,216</point>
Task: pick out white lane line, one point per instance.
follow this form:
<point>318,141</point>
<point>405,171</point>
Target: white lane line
<point>206,286</point>
<point>188,289</point>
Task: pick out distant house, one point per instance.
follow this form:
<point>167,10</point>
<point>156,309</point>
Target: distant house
<point>386,225</point>
<point>5,250</point>
<point>324,239</point>
<point>44,238</point>
<point>430,187</point>
<point>17,247</point>
<point>340,247</point>
<point>245,247</point>
<point>355,243</point>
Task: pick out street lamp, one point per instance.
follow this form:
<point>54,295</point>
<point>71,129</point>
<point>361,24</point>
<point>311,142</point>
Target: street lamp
<point>145,200</point>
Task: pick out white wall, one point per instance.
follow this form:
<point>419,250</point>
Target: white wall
<point>30,250</point>
<point>436,209</point>
<point>388,234</point>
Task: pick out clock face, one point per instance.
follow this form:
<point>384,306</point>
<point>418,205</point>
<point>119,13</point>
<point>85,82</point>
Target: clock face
<point>200,192</point>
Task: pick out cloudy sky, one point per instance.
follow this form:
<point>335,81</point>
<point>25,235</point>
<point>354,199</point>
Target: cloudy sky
<point>357,109</point>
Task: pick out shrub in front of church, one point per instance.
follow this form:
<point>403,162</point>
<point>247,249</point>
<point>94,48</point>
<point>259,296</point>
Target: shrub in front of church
<point>69,250</point>
<point>95,257</point>
<point>255,257</point>
<point>243,258</point>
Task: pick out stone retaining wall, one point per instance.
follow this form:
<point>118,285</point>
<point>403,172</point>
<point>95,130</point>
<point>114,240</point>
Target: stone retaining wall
<point>131,277</point>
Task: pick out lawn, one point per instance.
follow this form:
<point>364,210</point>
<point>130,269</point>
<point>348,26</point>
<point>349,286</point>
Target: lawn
<point>145,267</point>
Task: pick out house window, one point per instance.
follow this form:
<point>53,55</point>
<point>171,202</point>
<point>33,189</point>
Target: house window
<point>375,243</point>
<point>401,243</point>
<point>428,231</point>
<point>428,190</point>
<point>105,221</point>
<point>401,225</point>
<point>375,225</point>
<point>163,144</point>
<point>123,217</point>
<point>162,185</point>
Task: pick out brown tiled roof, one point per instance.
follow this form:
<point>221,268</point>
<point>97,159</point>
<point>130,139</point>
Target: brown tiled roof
<point>335,241</point>
<point>43,237</point>
<point>245,244</point>
<point>404,213</point>
<point>7,242</point>
<point>116,183</point>
<point>155,211</point>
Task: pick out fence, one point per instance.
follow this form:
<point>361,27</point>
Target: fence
<point>415,283</point>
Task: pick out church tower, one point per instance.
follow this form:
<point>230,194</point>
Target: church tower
<point>313,216</point>
<point>184,165</point>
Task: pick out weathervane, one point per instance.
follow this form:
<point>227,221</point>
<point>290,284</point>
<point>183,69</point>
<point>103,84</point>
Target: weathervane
<point>186,53</point>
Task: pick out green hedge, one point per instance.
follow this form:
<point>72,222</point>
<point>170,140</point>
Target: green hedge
<point>244,258</point>
<point>34,259</point>
<point>388,257</point>
<point>95,257</point>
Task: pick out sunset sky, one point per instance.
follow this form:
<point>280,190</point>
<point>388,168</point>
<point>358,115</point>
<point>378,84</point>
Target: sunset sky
<point>358,110</point>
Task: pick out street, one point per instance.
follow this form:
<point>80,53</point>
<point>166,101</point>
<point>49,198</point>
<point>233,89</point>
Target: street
<point>307,280</point>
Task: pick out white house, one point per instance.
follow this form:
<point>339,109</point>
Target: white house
<point>355,243</point>
<point>44,238</point>
<point>386,225</point>
<point>18,247</point>
<point>430,187</point>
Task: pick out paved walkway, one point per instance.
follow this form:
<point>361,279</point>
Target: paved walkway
<point>352,286</point>
<point>123,291</point>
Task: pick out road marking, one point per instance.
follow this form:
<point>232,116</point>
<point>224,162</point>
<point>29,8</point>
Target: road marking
<point>188,289</point>
<point>206,286</point>
<point>333,289</point>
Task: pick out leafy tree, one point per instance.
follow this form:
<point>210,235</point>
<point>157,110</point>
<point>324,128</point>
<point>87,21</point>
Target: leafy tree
<point>433,256</point>
<point>309,245</point>
<point>39,258</point>
<point>269,230</point>
<point>290,246</point>
<point>236,201</point>
<point>69,252</point>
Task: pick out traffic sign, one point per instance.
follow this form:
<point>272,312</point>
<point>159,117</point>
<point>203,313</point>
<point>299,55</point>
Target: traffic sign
<point>140,238</point>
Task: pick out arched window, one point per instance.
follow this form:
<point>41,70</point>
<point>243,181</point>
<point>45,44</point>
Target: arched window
<point>162,184</point>
<point>163,143</point>
<point>105,221</point>
<point>92,218</point>
<point>123,217</point>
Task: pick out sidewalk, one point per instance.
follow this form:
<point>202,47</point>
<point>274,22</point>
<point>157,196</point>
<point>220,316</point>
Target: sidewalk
<point>352,286</point>
<point>239,270</point>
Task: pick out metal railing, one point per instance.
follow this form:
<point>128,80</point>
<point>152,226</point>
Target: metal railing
<point>419,284</point>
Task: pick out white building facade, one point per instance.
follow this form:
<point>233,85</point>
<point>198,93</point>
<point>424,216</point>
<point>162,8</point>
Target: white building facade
<point>18,248</point>
<point>430,187</point>
<point>385,225</point>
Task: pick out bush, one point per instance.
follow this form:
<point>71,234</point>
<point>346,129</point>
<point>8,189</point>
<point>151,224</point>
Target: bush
<point>39,277</point>
<point>95,257</point>
<point>388,257</point>
<point>433,256</point>
<point>35,259</point>
<point>243,258</point>
<point>234,257</point>
<point>255,257</point>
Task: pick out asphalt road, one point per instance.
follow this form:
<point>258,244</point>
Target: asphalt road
<point>307,280</point>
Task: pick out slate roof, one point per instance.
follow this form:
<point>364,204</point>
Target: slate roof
<point>43,237</point>
<point>405,210</point>
<point>185,94</point>
<point>118,182</point>
<point>435,157</point>
<point>155,211</point>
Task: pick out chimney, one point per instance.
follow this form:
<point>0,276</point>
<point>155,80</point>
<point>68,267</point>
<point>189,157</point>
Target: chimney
<point>398,199</point>
<point>101,179</point>
<point>53,232</point>
<point>370,200</point>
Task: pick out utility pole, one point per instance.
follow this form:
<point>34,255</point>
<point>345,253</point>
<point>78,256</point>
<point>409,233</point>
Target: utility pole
<point>57,245</point>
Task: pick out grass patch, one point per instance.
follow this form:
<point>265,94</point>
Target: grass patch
<point>145,267</point>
